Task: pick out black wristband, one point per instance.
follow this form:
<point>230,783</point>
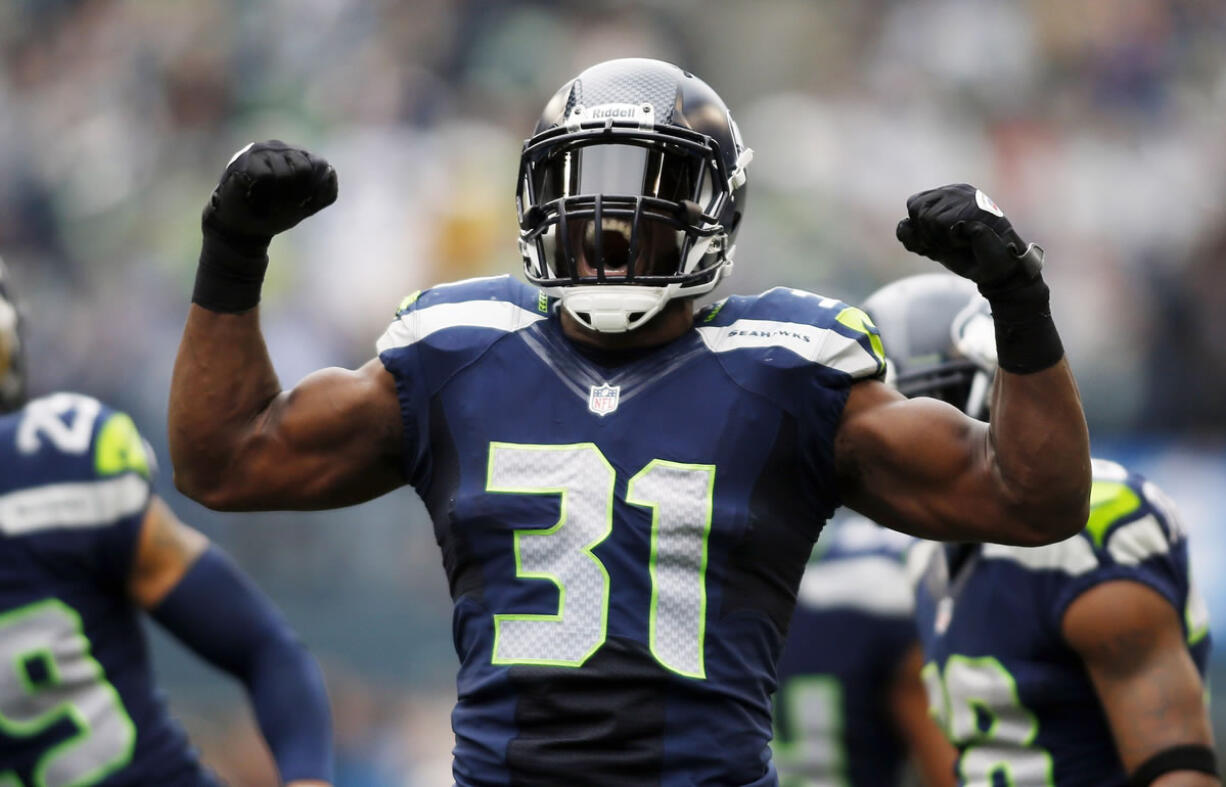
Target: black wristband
<point>230,273</point>
<point>1186,757</point>
<point>1026,337</point>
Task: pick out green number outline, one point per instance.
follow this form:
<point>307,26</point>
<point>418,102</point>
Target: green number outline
<point>794,692</point>
<point>709,506</point>
<point>26,729</point>
<point>975,741</point>
<point>521,572</point>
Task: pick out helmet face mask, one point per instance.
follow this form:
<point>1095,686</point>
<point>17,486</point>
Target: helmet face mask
<point>620,213</point>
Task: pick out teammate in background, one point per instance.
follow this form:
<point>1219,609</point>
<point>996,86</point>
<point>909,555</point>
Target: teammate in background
<point>85,547</point>
<point>625,491</point>
<point>1076,663</point>
<point>851,709</point>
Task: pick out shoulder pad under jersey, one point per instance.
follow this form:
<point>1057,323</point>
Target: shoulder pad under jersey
<point>1131,521</point>
<point>809,327</point>
<point>71,461</point>
<point>472,311</point>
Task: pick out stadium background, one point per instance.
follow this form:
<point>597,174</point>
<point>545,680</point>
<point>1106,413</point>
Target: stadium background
<point>1097,125</point>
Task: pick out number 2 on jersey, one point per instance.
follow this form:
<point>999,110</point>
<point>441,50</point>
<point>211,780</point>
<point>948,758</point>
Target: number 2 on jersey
<point>680,499</point>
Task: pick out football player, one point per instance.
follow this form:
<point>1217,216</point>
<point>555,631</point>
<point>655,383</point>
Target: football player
<point>85,548</point>
<point>851,708</point>
<point>1076,663</point>
<point>625,490</point>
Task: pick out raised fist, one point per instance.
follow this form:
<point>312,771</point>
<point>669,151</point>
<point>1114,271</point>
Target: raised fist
<point>267,188</point>
<point>960,227</point>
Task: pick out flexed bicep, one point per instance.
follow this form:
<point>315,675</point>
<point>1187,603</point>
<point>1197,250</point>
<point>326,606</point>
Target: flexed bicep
<point>914,465</point>
<point>332,440</point>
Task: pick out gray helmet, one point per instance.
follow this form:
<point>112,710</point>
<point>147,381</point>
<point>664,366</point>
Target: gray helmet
<point>12,350</point>
<point>939,339</point>
<point>636,168</point>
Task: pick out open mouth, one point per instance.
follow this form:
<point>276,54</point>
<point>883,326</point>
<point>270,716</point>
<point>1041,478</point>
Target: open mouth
<point>657,247</point>
<point>613,249</point>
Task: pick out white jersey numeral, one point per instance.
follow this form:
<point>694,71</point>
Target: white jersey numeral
<point>561,553</point>
<point>45,418</point>
<point>975,687</point>
<point>47,674</point>
<point>680,499</point>
<point>810,750</point>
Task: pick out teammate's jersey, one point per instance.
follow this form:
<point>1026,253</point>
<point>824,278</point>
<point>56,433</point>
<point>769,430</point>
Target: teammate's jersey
<point>1015,698</point>
<point>623,537</point>
<point>853,625</point>
<point>77,701</point>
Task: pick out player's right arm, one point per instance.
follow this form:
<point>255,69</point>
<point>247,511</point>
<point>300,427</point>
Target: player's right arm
<point>194,591</point>
<point>925,468</point>
<point>1132,643</point>
<point>237,440</point>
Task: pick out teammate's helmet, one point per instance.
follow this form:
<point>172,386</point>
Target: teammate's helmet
<point>12,353</point>
<point>631,190</point>
<point>940,340</point>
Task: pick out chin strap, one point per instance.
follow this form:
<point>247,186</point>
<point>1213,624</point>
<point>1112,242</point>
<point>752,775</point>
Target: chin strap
<point>608,308</point>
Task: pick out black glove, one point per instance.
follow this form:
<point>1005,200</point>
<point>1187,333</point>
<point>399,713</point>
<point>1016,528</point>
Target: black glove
<point>267,188</point>
<point>961,228</point>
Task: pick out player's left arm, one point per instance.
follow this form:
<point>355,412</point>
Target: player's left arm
<point>194,591</point>
<point>931,752</point>
<point>1132,642</point>
<point>922,466</point>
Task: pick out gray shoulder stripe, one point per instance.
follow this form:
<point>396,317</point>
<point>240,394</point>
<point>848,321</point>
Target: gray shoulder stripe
<point>80,504</point>
<point>415,325</point>
<point>816,345</point>
<point>1073,556</point>
<point>1137,541</point>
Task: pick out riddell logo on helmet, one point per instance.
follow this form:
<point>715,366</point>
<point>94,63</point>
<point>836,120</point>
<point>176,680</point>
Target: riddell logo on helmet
<point>613,111</point>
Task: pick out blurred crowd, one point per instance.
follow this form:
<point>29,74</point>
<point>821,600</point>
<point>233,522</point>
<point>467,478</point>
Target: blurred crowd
<point>1096,125</point>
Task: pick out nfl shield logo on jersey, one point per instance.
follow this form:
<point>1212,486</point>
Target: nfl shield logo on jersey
<point>603,399</point>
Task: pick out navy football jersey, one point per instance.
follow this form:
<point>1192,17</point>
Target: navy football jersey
<point>623,536</point>
<point>1014,697</point>
<point>77,701</point>
<point>852,627</point>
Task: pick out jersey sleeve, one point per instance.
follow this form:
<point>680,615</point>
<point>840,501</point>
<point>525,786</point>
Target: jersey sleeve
<point>435,334</point>
<point>401,357</point>
<point>823,335</point>
<point>863,357</point>
<point>1133,533</point>
<point>802,352</point>
<point>93,484</point>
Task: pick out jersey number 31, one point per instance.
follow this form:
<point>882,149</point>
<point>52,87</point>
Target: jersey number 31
<point>680,499</point>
